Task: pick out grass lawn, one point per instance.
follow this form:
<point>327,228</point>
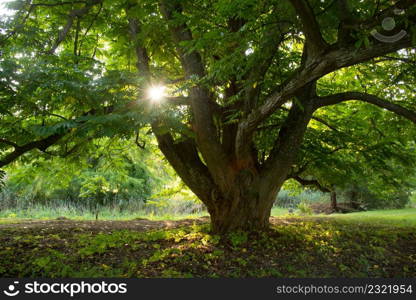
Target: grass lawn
<point>368,244</point>
<point>397,217</point>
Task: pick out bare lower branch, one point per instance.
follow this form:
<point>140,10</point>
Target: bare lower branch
<point>311,182</point>
<point>42,145</point>
<point>183,157</point>
<point>372,99</point>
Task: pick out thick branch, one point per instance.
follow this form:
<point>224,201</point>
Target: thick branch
<point>42,145</point>
<point>347,96</point>
<point>203,107</point>
<point>339,56</point>
<point>141,53</point>
<point>183,157</point>
<point>311,182</point>
<point>192,62</point>
<point>315,43</point>
<point>315,69</point>
<point>284,153</point>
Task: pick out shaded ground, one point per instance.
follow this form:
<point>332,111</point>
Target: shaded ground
<point>294,247</point>
<point>136,224</point>
<point>101,225</point>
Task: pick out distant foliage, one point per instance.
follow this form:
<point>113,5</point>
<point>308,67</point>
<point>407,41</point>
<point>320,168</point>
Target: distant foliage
<point>290,199</point>
<point>109,177</point>
<point>381,199</point>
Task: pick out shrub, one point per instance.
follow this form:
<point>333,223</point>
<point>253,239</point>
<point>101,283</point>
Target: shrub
<point>304,208</point>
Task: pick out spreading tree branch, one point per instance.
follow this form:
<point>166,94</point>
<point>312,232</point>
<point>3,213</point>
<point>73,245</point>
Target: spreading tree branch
<point>183,156</point>
<point>372,99</point>
<point>310,182</point>
<point>202,105</point>
<point>42,145</point>
<point>329,62</point>
<point>315,43</point>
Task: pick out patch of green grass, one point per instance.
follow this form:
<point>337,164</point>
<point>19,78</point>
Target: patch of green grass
<point>10,220</point>
<point>278,211</point>
<point>398,217</point>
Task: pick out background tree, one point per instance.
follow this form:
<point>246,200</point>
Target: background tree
<point>378,169</point>
<point>109,173</point>
<point>228,71</point>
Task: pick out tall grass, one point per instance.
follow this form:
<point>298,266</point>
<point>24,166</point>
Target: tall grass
<point>46,213</point>
<point>157,209</point>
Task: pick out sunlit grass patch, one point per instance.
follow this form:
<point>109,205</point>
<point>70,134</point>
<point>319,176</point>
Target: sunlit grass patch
<point>397,217</point>
<point>10,220</point>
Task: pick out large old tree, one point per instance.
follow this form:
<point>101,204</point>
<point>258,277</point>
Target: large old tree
<point>248,85</point>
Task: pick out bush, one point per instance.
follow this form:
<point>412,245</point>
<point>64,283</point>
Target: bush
<point>286,199</point>
<point>304,208</point>
<point>412,201</point>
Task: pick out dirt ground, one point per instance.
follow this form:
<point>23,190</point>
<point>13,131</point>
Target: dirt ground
<point>108,225</point>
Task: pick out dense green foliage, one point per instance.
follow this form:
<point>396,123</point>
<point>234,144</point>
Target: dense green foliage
<point>107,177</point>
<point>116,180</point>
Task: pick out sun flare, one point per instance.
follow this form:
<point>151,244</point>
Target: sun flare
<point>156,93</point>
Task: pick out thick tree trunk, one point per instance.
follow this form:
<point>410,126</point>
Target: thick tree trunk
<point>248,209</point>
<point>237,191</point>
<point>240,216</point>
